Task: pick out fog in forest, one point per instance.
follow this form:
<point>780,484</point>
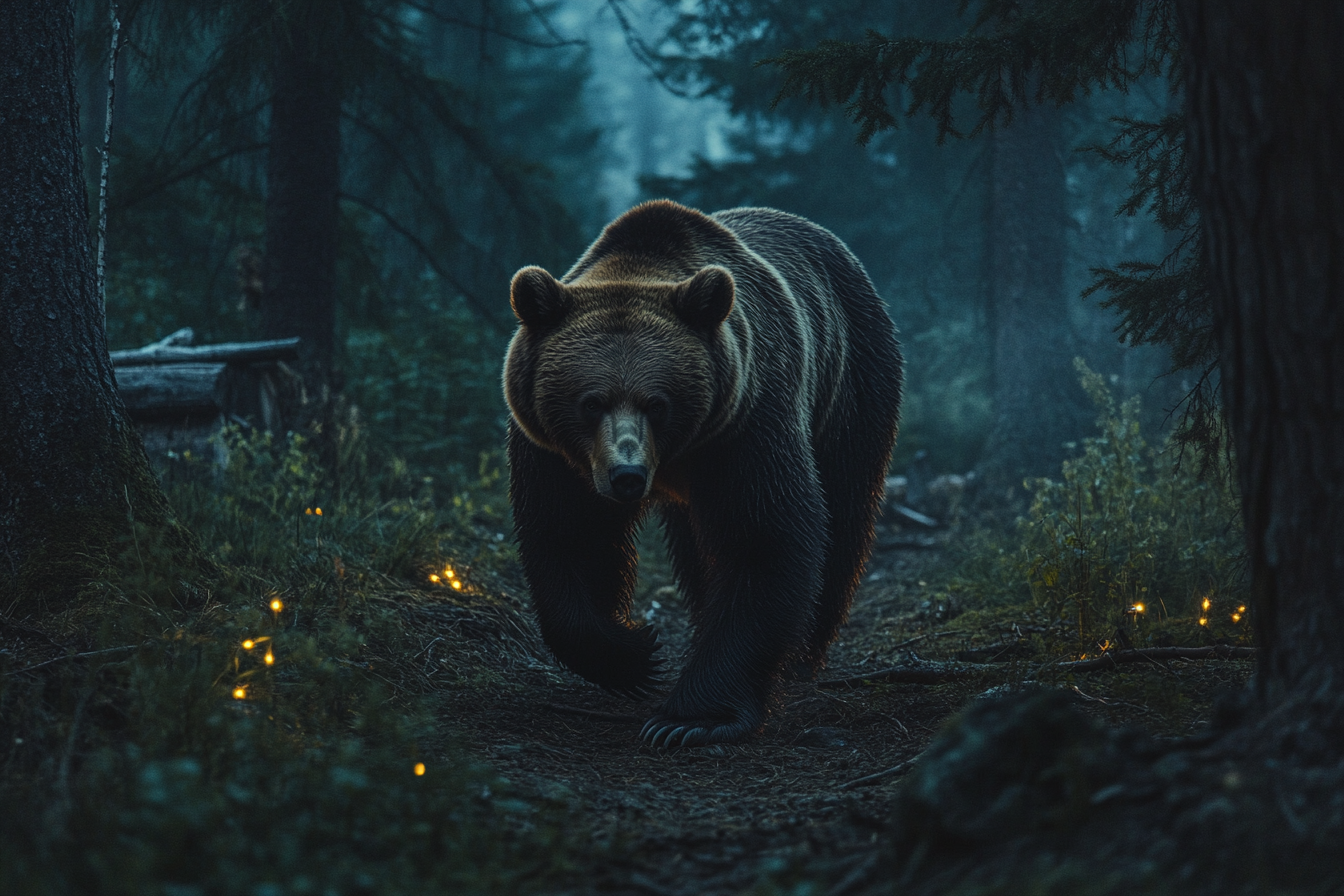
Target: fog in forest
<point>555,121</point>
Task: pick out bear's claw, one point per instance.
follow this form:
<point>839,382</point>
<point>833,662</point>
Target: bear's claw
<point>662,731</point>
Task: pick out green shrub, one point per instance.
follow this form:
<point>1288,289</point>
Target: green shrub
<point>270,504</point>
<point>1127,538</point>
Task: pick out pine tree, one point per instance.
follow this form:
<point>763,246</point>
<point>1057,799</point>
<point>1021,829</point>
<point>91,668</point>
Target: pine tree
<point>74,479</point>
<point>1265,102</point>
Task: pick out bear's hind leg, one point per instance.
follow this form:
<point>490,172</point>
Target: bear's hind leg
<point>852,466</point>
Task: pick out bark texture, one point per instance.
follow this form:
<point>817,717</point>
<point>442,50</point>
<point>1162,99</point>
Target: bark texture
<point>303,182</point>
<point>71,467</point>
<point>1038,404</point>
<point>1265,93</point>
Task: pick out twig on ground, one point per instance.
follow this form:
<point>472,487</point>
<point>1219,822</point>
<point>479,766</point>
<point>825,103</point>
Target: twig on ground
<point>595,714</point>
<point>28,629</point>
<point>1106,701</point>
<point>909,673</point>
<point>851,881</point>
<point>76,656</point>
<point>918,638</point>
<point>898,769</point>
<point>1154,654</point>
<point>648,884</point>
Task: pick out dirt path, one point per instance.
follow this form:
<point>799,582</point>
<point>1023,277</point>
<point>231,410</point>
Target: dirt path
<point>719,819</point>
<point>797,798</point>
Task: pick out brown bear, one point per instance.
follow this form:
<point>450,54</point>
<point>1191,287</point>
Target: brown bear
<point>738,372</point>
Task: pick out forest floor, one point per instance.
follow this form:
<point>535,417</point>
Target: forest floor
<point>803,807</point>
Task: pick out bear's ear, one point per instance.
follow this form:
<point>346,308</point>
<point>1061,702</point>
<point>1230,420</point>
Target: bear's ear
<point>538,299</point>
<point>705,300</point>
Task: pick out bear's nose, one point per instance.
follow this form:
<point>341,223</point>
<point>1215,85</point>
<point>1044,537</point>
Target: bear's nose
<point>627,481</point>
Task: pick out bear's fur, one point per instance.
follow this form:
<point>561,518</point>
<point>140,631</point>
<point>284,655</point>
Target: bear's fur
<point>739,373</point>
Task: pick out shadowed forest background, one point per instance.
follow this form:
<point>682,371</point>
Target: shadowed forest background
<point>299,657</point>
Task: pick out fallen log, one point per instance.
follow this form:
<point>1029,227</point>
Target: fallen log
<point>165,352</point>
<point>172,390</point>
<point>1154,655</point>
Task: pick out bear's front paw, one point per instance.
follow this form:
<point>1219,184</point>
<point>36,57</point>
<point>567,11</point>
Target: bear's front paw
<point>668,730</point>
<point>618,659</point>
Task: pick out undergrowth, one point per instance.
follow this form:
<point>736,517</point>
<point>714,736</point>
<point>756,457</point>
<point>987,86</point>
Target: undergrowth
<point>248,734</point>
<point>1129,546</point>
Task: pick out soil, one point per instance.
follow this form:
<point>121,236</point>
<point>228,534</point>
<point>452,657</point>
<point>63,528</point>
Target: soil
<point>810,798</point>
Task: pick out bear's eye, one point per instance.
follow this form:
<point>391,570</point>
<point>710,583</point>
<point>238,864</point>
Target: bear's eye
<point>591,406</point>
<point>657,409</point>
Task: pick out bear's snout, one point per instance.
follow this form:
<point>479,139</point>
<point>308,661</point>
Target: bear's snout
<point>623,455</point>
<point>628,481</point>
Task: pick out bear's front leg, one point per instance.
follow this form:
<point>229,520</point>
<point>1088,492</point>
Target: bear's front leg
<point>578,554</point>
<point>760,532</point>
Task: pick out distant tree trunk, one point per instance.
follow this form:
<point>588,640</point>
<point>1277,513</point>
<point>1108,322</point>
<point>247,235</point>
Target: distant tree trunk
<point>1265,88</point>
<point>72,468</point>
<point>303,182</point>
<point>1038,404</point>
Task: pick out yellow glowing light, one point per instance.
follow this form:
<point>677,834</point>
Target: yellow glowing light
<point>270,658</point>
<point>433,577</point>
<point>1138,608</point>
<point>1236,617</point>
<point>248,644</point>
<point>239,693</point>
<point>317,510</point>
<point>1241,609</point>
<point>308,511</point>
<point>457,585</point>
<point>1203,620</point>
<point>448,572</point>
<point>276,605</point>
<point>419,768</point>
<point>1206,603</point>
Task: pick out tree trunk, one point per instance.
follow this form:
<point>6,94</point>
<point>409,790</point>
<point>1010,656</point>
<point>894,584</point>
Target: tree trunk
<point>303,181</point>
<point>71,467</point>
<point>1265,93</point>
<point>1038,404</point>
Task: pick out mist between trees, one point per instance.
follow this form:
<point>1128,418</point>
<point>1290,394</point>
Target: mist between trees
<point>455,152</point>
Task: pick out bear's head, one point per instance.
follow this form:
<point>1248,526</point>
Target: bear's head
<point>617,377</point>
